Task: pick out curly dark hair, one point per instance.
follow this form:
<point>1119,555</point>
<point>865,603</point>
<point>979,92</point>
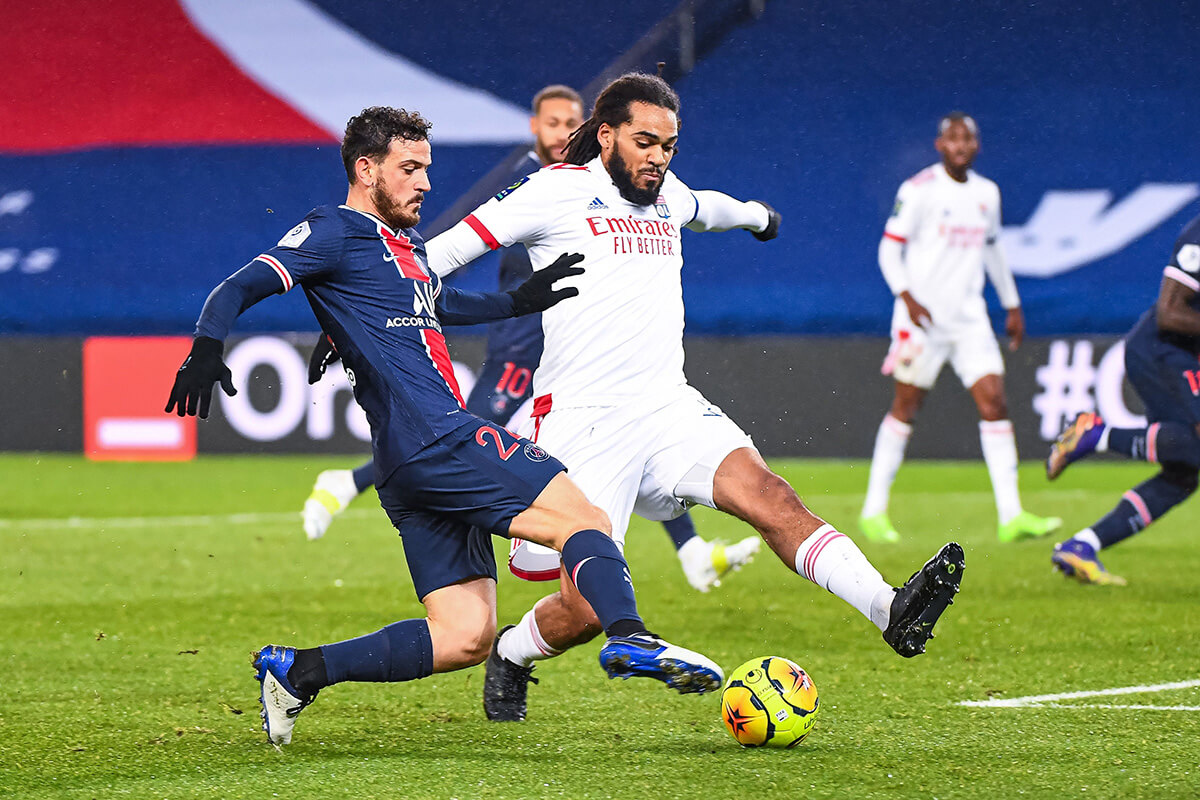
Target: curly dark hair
<point>370,133</point>
<point>612,107</point>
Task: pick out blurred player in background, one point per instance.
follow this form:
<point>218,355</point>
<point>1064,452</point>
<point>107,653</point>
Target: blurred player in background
<point>943,234</point>
<point>611,399</point>
<point>514,347</point>
<point>449,480</point>
<point>1162,361</point>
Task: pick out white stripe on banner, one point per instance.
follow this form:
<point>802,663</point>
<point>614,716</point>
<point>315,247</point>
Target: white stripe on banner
<point>329,72</point>
<point>139,432</point>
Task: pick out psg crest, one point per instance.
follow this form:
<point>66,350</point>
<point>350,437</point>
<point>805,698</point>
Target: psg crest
<point>535,453</point>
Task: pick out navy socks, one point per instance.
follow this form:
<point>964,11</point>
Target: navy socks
<point>599,571</point>
<point>681,530</point>
<point>1145,503</point>
<point>403,651</point>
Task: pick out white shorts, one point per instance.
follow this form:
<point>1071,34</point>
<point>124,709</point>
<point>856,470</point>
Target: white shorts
<point>653,459</point>
<point>917,355</point>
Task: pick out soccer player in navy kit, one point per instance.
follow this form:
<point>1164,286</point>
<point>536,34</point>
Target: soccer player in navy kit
<point>447,479</point>
<point>505,383</point>
<point>1162,361</point>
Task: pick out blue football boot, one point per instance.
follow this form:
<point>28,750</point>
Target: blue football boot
<point>281,702</point>
<point>644,655</point>
<point>1076,441</point>
<point>1077,559</point>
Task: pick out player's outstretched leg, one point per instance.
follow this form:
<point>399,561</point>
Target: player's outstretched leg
<point>1077,440</point>
<point>705,563</point>
<point>921,600</point>
<point>332,492</point>
<point>505,685</point>
<point>281,702</point>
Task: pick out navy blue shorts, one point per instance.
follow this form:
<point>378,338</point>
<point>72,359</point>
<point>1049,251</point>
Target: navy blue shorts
<point>448,499</point>
<point>503,385</point>
<point>1167,378</point>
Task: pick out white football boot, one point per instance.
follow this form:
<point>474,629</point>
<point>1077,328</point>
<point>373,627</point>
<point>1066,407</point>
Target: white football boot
<point>705,563</point>
<point>333,491</point>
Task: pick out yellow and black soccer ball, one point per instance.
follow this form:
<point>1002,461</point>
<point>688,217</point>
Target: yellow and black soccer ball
<point>769,702</point>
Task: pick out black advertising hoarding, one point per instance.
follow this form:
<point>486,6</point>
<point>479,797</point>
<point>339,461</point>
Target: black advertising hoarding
<point>801,397</point>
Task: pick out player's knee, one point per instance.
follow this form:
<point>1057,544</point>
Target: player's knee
<point>993,408</point>
<point>593,518</point>
<point>1183,476</point>
<point>463,640</point>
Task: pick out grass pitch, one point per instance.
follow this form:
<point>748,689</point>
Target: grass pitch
<point>131,596</point>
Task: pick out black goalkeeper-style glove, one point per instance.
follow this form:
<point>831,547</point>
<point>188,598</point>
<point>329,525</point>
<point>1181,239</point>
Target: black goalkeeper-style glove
<point>538,292</point>
<point>202,368</point>
<point>323,355</point>
<point>773,219</point>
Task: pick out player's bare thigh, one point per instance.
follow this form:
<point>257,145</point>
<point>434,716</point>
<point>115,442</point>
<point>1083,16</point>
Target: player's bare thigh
<point>988,394</point>
<point>907,401</point>
<point>745,487</point>
<point>559,511</point>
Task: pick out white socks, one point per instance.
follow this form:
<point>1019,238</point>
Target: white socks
<point>832,561</point>
<point>524,644</point>
<point>1000,455</point>
<point>890,442</point>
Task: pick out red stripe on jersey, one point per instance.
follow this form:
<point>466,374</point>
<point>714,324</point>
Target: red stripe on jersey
<point>894,237</point>
<point>401,251</point>
<point>483,232</point>
<point>280,270</point>
<point>435,345</point>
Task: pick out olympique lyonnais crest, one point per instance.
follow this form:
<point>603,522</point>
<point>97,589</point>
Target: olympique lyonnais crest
<point>660,206</point>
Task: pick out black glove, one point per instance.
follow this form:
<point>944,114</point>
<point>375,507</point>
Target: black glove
<point>323,355</point>
<point>773,219</point>
<point>202,368</point>
<point>537,293</point>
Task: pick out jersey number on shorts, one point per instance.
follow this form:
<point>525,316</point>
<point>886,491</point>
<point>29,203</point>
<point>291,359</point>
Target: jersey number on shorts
<point>481,437</point>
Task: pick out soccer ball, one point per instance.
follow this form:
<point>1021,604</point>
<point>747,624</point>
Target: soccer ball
<point>769,702</point>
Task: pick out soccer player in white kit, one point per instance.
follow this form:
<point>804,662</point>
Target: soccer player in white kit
<point>943,234</point>
<point>611,399</point>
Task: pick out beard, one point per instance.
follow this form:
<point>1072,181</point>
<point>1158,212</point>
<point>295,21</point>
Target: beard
<point>620,173</point>
<point>392,211</point>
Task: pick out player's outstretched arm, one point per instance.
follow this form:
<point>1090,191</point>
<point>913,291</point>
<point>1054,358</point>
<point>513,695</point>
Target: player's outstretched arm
<point>456,307</point>
<point>717,211</point>
<point>192,392</point>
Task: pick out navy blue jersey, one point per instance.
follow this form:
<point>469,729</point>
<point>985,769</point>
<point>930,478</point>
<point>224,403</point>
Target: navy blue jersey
<point>520,339</point>
<point>1184,268</point>
<point>373,293</point>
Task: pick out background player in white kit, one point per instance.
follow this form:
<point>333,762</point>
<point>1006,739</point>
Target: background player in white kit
<point>942,235</point>
<point>611,399</point>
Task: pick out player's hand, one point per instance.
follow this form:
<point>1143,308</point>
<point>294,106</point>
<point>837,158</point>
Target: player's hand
<point>322,356</point>
<point>1014,326</point>
<point>773,219</point>
<point>918,313</point>
<point>192,392</point>
<point>538,292</point>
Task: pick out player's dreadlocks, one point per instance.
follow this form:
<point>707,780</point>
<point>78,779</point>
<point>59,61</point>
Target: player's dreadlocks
<point>612,107</point>
<point>370,133</point>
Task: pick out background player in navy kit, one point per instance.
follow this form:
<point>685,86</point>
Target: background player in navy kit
<point>514,348</point>
<point>1162,361</point>
<point>448,479</point>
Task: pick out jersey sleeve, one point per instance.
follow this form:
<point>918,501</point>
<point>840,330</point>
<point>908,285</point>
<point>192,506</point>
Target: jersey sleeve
<point>308,251</point>
<point>905,216</point>
<point>995,260</point>
<point>1184,266</point>
<point>519,213</point>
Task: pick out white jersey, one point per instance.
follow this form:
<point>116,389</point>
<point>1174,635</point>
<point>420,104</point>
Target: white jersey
<point>946,227</point>
<point>623,337</point>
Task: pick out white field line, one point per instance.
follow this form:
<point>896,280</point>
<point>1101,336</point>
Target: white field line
<point>91,523</point>
<point>88,523</point>
<point>1052,700</point>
